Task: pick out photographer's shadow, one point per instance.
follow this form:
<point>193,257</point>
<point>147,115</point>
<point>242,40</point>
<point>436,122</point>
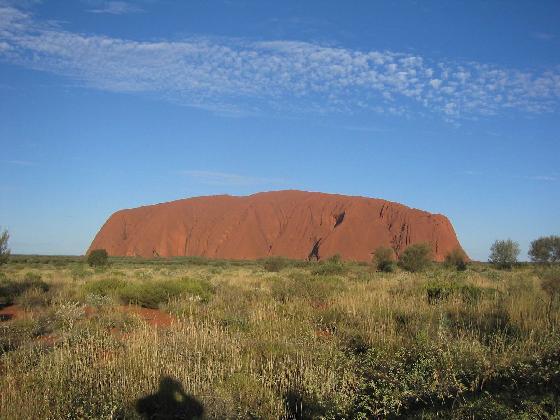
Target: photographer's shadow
<point>170,402</point>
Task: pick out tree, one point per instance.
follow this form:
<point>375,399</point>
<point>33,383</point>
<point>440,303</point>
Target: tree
<point>98,258</point>
<point>416,257</point>
<point>457,258</point>
<point>545,249</point>
<point>383,258</point>
<point>4,250</point>
<point>504,253</point>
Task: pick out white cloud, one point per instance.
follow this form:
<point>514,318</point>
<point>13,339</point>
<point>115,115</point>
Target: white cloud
<point>543,178</point>
<point>116,8</point>
<point>435,83</point>
<point>222,178</point>
<point>236,76</point>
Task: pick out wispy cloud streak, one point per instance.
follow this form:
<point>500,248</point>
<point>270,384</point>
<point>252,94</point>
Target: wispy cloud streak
<point>547,178</point>
<point>116,8</point>
<point>235,75</point>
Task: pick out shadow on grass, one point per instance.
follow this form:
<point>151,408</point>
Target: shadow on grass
<point>170,402</point>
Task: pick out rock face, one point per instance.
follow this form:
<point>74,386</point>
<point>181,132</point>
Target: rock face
<point>294,224</point>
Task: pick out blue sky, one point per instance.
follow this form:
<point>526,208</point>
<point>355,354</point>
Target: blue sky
<point>451,107</point>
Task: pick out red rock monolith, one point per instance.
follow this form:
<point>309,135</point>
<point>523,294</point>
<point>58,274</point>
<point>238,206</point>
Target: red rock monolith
<point>294,224</point>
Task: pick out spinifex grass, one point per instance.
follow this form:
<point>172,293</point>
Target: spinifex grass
<point>248,341</point>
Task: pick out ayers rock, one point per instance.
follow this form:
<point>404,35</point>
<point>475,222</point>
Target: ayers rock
<point>294,224</point>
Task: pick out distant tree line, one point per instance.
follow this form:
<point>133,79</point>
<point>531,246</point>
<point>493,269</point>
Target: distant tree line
<point>504,254</point>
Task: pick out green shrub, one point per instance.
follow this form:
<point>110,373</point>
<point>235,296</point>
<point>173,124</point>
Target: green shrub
<point>416,257</point>
<point>104,287</point>
<point>34,278</point>
<point>152,294</point>
<point>330,267</point>
<point>486,407</point>
<point>34,297</point>
<point>200,288</point>
<point>80,272</point>
<point>471,293</point>
<point>394,380</point>
<point>503,254</point>
<point>274,264</point>
<point>437,291</point>
<point>457,259</point>
<point>441,290</point>
<point>383,258</point>
<point>10,289</point>
<point>304,286</point>
<point>98,258</point>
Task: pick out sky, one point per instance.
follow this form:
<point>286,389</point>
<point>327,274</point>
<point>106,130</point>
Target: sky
<point>451,107</point>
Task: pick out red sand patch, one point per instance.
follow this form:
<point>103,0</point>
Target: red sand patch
<point>90,311</point>
<point>154,317</point>
<point>49,339</point>
<point>325,334</point>
<point>12,312</point>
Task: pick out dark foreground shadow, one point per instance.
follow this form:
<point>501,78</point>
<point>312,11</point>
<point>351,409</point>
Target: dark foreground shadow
<point>170,402</point>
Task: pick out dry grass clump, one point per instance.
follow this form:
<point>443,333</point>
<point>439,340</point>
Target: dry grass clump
<point>303,341</point>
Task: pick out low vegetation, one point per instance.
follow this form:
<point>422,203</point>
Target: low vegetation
<point>279,339</point>
<point>457,259</point>
<point>98,258</point>
<point>384,259</point>
<point>416,257</point>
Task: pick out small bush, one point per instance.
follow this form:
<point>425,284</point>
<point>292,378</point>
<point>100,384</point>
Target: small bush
<point>330,267</point>
<point>436,292</point>
<point>34,278</point>
<point>34,297</point>
<point>457,259</point>
<point>197,287</point>
<point>98,258</point>
<point>316,290</point>
<point>153,294</point>
<point>383,258</point>
<point>104,287</point>
<point>471,294</point>
<point>274,264</point>
<point>10,289</point>
<point>503,254</point>
<point>416,257</point>
<point>80,272</point>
